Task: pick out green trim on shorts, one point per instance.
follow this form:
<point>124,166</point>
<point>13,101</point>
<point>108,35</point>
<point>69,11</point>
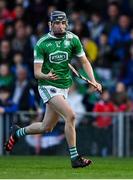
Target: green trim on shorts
<point>46,92</point>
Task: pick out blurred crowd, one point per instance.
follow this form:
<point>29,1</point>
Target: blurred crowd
<point>106,31</point>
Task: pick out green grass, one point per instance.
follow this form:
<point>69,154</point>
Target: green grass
<point>53,167</point>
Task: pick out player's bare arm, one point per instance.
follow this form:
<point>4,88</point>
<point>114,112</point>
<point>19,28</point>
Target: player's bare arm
<point>88,69</point>
<point>39,75</point>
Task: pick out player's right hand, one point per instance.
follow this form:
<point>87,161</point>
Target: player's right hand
<point>96,87</point>
<point>51,76</point>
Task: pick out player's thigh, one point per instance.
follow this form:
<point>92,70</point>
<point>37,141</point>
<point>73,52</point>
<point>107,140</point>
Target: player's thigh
<point>51,116</point>
<point>61,106</point>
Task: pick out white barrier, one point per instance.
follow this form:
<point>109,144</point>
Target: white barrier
<point>1,135</point>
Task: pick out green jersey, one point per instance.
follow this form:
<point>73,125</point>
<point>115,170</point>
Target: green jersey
<point>55,54</point>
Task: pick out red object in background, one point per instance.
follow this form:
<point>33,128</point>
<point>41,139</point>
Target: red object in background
<point>13,14</point>
<point>122,107</point>
<point>2,29</point>
<point>6,15</point>
<point>103,121</point>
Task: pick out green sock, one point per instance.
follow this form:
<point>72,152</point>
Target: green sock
<point>20,132</point>
<point>73,152</point>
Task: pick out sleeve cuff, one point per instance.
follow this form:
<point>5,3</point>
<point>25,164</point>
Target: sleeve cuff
<point>38,61</point>
<point>80,54</point>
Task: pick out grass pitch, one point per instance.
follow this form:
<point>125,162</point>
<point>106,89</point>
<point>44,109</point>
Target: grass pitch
<point>53,167</point>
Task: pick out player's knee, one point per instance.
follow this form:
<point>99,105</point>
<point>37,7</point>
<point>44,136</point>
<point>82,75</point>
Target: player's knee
<point>71,117</point>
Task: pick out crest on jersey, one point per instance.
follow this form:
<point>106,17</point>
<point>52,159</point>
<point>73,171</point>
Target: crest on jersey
<point>69,36</point>
<point>66,43</point>
<point>58,43</point>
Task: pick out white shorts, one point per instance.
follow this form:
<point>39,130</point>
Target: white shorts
<point>47,92</point>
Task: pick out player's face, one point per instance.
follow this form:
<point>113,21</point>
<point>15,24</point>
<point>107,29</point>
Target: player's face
<point>59,28</point>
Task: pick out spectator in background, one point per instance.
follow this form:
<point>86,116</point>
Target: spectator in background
<point>75,17</point>
<point>128,69</point>
<point>6,104</point>
<point>95,25</point>
<point>5,16</point>
<point>18,24</point>
<point>120,98</point>
<point>19,12</point>
<point>9,31</point>
<point>70,7</point>
<point>104,61</point>
<point>19,41</point>
<point>25,3</point>
<point>6,78</point>
<point>3,11</point>
<point>120,36</point>
<point>38,11</point>
<point>91,48</point>
<point>51,8</point>
<point>30,35</point>
<point>104,55</point>
<point>18,61</point>
<point>5,52</point>
<point>41,29</point>
<point>113,11</point>
<point>80,29</point>
<point>103,124</point>
<point>23,94</point>
<point>22,43</point>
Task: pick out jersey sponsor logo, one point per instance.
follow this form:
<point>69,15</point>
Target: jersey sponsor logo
<point>58,57</point>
